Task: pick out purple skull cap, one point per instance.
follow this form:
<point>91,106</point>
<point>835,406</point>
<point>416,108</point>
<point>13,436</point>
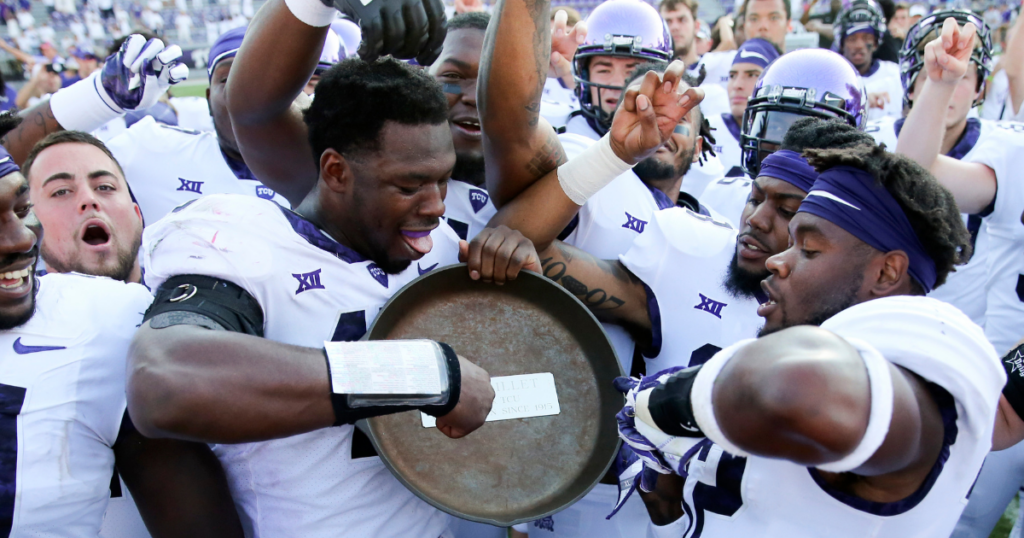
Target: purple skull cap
<point>350,36</point>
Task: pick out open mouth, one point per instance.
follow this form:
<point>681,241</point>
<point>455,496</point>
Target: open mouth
<point>766,308</point>
<point>468,126</point>
<point>418,240</point>
<point>14,279</point>
<point>95,234</point>
<point>751,248</point>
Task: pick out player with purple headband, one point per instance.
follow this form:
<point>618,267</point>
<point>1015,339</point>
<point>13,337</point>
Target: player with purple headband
<point>753,56</point>
<point>779,99</point>
<point>863,407</point>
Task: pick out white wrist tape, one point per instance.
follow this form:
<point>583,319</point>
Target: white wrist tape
<point>84,105</point>
<point>700,398</point>
<point>880,417</point>
<point>590,171</point>
<point>312,12</point>
<point>388,372</point>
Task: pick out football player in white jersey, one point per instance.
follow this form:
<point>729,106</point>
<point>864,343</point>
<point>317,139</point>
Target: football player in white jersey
<point>467,205</point>
<point>859,30</point>
<point>681,18</point>
<point>984,181</point>
<point>823,74</point>
<point>92,224</point>
<point>63,391</point>
<point>875,423</point>
<point>285,282</point>
<point>965,288</point>
<point>750,60</point>
<point>766,19</point>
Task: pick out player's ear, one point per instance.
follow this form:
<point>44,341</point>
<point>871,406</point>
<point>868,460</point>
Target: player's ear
<point>335,171</point>
<point>698,147</point>
<point>892,273</point>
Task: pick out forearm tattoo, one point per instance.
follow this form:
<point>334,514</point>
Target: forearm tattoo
<point>594,297</point>
<point>547,158</point>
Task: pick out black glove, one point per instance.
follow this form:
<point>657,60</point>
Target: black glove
<point>402,28</point>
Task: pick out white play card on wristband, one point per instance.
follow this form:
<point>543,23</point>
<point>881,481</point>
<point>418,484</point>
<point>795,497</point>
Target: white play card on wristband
<point>385,367</point>
<point>518,396</point>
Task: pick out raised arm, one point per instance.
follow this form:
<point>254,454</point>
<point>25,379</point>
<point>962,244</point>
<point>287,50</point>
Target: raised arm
<point>1012,62</point>
<point>973,185</point>
<point>120,86</point>
<point>519,145</point>
<point>272,66</point>
<point>280,51</point>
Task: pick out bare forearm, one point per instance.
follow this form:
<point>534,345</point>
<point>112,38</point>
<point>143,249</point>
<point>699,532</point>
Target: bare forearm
<point>275,62</point>
<point>190,383</point>
<point>1012,62</point>
<point>926,122</point>
<point>541,212</point>
<point>606,287</point>
<point>518,145</point>
<point>36,123</point>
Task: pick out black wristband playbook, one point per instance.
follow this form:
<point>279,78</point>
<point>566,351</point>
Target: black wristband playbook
<point>1013,362</point>
<point>670,405</point>
<point>344,414</point>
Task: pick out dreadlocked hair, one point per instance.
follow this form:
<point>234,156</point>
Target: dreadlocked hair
<point>929,207</point>
<point>818,133</point>
<point>705,128</point>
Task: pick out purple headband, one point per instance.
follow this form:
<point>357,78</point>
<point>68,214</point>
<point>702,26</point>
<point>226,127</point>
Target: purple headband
<point>755,51</point>
<point>789,166</point>
<point>7,164</point>
<point>851,199</point>
<point>225,47</point>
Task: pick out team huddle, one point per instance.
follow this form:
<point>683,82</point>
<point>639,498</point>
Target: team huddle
<point>808,306</point>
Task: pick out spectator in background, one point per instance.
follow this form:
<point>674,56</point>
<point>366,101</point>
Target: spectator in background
<point>681,18</point>
<point>45,81</point>
<point>702,41</point>
<point>86,59</point>
<point>915,13</point>
<point>106,8</point>
<point>767,19</point>
<point>183,24</point>
<point>818,18</point>
<point>723,35</point>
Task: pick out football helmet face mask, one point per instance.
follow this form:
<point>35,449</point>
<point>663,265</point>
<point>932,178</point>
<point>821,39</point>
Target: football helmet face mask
<point>619,28</point>
<point>807,82</point>
<point>929,28</point>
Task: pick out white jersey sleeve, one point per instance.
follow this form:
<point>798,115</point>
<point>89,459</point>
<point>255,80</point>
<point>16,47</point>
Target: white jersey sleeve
<point>716,65</point>
<point>728,196</point>
<point>1004,154</point>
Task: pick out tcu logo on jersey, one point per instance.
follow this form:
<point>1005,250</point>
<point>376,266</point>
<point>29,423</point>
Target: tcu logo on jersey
<point>308,281</point>
<point>710,306</point>
<point>478,199</point>
<point>265,192</point>
<point>635,224</point>
<point>378,274</point>
<point>190,186</point>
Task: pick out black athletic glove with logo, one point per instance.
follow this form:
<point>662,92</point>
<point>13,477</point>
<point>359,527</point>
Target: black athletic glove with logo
<point>404,29</point>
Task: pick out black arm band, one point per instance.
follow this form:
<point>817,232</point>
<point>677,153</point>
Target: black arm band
<point>670,405</point>
<point>188,299</point>
<point>1013,362</point>
<point>344,414</point>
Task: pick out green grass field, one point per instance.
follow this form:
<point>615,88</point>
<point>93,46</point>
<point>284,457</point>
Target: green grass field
<point>1006,522</point>
<point>190,88</point>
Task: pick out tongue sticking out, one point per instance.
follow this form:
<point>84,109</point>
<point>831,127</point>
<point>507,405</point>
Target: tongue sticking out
<point>418,241</point>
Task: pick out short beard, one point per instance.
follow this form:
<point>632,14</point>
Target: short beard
<point>654,169</point>
<point>827,307</point>
<point>742,283</point>
<point>122,270</point>
<point>8,322</point>
<point>469,169</point>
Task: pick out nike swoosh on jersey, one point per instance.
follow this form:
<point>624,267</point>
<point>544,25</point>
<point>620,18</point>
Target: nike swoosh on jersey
<point>427,270</point>
<point>22,349</point>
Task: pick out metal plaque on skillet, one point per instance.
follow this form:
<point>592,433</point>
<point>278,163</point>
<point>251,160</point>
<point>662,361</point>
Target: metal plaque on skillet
<point>518,469</point>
